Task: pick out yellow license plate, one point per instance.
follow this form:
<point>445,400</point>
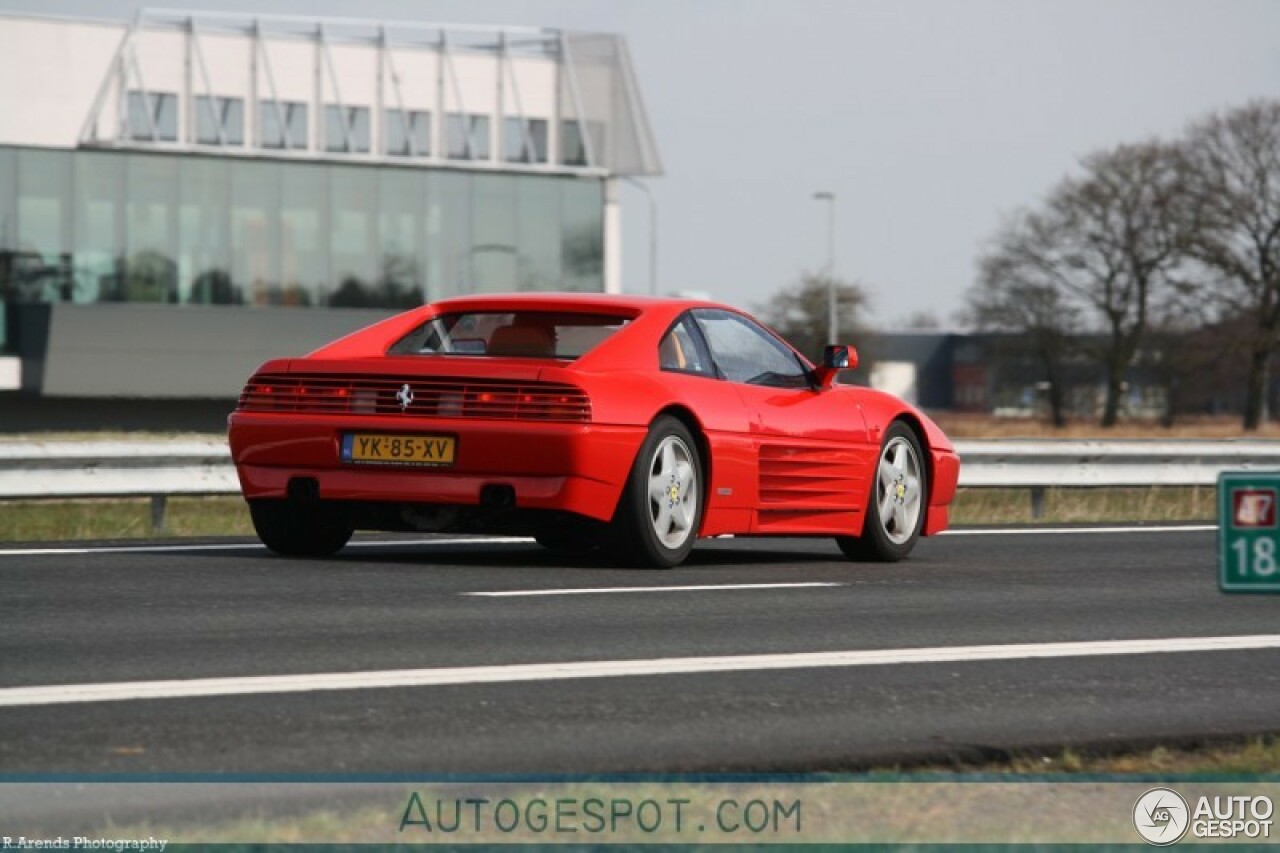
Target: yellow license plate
<point>398,449</point>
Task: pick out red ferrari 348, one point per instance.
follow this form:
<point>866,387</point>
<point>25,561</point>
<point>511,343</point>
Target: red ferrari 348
<point>629,424</point>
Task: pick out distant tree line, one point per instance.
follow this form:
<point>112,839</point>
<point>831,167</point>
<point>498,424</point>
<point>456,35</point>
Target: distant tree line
<point>1168,246</point>
<point>799,313</point>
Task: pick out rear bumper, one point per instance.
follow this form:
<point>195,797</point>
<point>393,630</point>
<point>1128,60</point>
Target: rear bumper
<point>578,468</point>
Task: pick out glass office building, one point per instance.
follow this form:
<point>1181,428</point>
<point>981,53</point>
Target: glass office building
<point>97,226</point>
<point>270,163</point>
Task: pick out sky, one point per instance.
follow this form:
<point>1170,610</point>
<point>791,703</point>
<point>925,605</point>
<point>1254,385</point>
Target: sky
<point>931,121</point>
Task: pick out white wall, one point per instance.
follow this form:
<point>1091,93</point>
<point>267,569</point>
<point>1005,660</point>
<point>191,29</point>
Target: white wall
<point>896,377</point>
<point>54,69</point>
<point>51,72</point>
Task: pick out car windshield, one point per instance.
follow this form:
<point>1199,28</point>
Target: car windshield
<point>518,334</point>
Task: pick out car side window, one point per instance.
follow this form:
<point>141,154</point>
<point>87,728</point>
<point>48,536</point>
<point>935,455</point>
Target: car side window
<point>681,350</point>
<point>745,352</point>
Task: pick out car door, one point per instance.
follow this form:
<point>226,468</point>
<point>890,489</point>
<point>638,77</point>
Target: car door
<point>727,423</point>
<point>812,446</point>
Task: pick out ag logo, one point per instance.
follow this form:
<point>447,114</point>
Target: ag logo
<point>1161,816</point>
<point>1253,508</point>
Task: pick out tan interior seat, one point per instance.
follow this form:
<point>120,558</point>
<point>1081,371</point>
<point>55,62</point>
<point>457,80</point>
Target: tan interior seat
<point>526,341</point>
<point>671,353</point>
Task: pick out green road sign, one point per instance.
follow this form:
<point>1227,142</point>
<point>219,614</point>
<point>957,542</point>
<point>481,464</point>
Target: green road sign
<point>1248,536</point>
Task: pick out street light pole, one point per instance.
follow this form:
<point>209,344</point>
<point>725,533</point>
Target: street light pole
<point>833,328</point>
<point>653,233</point>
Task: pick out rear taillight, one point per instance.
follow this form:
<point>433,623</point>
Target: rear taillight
<point>429,397</point>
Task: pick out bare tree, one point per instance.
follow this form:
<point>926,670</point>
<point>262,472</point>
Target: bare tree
<point>1017,292</point>
<point>1232,208</point>
<point>799,313</point>
<point>1183,352</point>
<point>1115,240</point>
<point>920,320</point>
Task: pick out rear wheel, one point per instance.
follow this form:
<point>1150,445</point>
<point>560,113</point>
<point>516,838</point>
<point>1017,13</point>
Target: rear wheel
<point>300,530</point>
<point>658,517</point>
<point>895,511</point>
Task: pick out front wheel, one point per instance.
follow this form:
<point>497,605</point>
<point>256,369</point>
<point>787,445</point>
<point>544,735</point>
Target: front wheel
<point>895,511</point>
<point>660,512</point>
<point>299,530</point>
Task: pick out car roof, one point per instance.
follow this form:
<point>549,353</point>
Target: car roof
<point>561,301</point>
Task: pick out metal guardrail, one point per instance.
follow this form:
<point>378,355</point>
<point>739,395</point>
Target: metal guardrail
<point>115,469</point>
<point>1032,463</point>
<point>1037,465</point>
<point>160,469</point>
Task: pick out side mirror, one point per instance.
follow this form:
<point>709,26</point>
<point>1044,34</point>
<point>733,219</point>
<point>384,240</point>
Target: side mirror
<point>834,360</point>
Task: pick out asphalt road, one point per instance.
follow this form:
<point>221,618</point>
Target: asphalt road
<point>234,611</point>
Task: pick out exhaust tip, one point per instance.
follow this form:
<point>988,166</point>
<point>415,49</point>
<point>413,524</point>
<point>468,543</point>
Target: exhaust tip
<point>303,489</point>
<point>497,496</point>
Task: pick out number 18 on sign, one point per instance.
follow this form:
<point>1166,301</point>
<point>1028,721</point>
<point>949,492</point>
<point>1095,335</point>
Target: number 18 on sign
<point>1248,535</point>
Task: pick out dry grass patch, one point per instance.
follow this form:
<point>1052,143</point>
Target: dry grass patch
<point>1252,757</point>
<point>30,521</point>
<point>1066,506</point>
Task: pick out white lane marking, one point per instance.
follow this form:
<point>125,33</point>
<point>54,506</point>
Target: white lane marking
<point>124,549</point>
<point>62,694</point>
<point>517,593</point>
<point>1022,531</point>
<point>252,546</point>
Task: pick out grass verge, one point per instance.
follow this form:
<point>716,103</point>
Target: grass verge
<point>1069,506</point>
<point>877,810</point>
<point>34,521</point>
<point>1254,756</point>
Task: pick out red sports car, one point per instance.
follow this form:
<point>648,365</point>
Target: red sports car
<point>632,424</point>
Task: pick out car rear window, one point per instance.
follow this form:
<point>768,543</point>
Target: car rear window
<point>510,334</point>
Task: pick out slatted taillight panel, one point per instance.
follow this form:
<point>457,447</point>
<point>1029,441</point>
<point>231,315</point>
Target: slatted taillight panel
<point>437,398</point>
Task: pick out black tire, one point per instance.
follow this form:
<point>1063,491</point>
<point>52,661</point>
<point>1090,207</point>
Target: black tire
<point>653,533</point>
<point>890,540</point>
<point>300,530</point>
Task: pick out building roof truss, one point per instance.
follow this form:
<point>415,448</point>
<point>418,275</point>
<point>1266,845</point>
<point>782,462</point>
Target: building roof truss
<point>264,57</point>
<point>219,116</point>
<point>387,68</point>
<point>613,129</point>
<point>115,73</point>
<point>150,100</point>
<point>451,72</point>
<point>346,118</point>
<point>588,145</point>
<point>507,71</point>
